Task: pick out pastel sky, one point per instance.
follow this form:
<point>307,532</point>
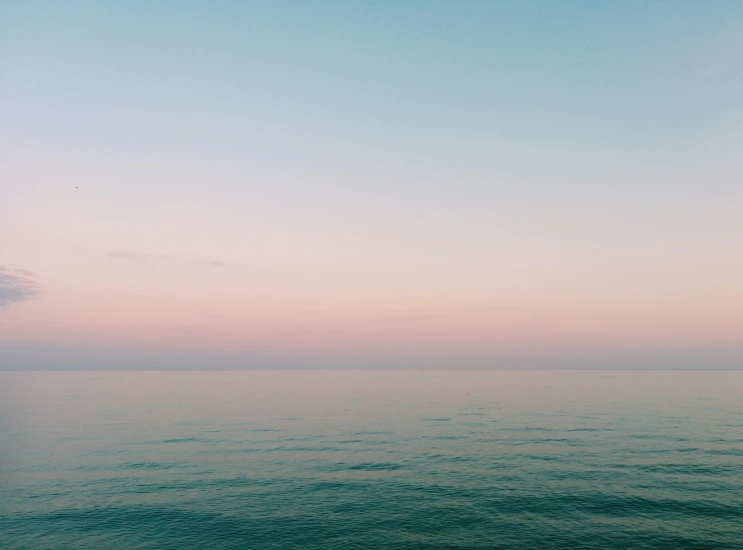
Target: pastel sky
<point>444,184</point>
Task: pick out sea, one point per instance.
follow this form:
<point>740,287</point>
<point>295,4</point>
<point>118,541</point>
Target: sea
<point>371,459</point>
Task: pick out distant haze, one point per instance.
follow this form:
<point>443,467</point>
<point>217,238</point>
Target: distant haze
<point>371,184</point>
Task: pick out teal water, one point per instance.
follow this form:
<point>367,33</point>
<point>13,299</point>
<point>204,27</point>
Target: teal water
<point>371,459</point>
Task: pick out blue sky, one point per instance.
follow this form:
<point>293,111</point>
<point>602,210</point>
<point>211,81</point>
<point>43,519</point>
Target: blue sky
<point>561,180</point>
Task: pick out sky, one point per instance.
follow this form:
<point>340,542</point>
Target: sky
<point>379,184</point>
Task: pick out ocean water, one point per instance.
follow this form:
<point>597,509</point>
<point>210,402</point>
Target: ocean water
<point>371,459</point>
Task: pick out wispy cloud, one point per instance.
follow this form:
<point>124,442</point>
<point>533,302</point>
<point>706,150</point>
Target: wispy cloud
<point>715,68</point>
<point>136,256</point>
<point>149,257</point>
<point>16,285</point>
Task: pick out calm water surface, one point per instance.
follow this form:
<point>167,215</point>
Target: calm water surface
<point>371,459</point>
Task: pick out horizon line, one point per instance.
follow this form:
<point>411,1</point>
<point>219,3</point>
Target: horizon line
<point>393,369</point>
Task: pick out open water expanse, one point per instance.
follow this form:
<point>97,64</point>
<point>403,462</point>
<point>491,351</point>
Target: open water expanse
<point>371,459</point>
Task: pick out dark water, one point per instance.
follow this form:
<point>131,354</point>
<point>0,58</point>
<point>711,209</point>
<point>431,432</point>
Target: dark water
<point>372,459</point>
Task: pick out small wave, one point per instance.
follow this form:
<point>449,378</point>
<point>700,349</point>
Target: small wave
<point>146,466</point>
<point>182,440</point>
<point>375,466</point>
<point>724,452</point>
<point>444,437</point>
<point>684,469</point>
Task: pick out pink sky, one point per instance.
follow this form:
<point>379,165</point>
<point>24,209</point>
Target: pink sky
<point>337,207</point>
